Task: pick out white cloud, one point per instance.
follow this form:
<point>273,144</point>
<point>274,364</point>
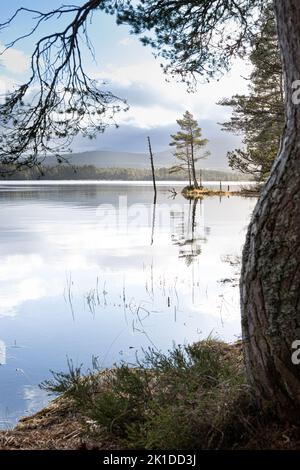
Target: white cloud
<point>164,101</point>
<point>6,84</point>
<point>14,60</point>
<point>146,118</point>
<point>127,41</point>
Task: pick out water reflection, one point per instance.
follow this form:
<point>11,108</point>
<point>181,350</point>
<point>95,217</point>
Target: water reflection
<point>98,270</point>
<point>2,353</point>
<point>153,218</point>
<point>189,231</point>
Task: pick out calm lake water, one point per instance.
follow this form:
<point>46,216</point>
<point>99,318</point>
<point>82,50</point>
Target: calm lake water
<point>90,269</point>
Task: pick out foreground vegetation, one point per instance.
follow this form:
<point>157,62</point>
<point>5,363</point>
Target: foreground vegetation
<point>193,397</point>
<point>165,401</point>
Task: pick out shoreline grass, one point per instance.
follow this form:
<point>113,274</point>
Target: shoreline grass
<point>193,397</point>
<point>190,192</point>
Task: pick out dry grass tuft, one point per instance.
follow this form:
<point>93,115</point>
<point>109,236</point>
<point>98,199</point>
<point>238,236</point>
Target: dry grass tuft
<point>189,192</point>
<point>194,397</point>
<point>56,427</point>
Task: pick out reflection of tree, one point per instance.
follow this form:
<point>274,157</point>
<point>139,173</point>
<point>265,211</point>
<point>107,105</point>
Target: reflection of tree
<point>153,217</point>
<point>81,194</point>
<point>188,234</point>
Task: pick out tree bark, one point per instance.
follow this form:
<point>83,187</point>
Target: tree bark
<point>193,165</point>
<point>189,166</point>
<point>270,280</point>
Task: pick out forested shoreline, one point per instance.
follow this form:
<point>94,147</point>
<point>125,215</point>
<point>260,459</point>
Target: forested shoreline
<point>90,172</point>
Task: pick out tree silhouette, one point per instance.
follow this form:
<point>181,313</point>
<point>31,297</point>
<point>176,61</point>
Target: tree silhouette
<point>188,146</point>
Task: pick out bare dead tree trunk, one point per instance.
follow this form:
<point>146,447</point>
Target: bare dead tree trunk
<point>152,169</point>
<point>155,190</point>
<point>270,280</point>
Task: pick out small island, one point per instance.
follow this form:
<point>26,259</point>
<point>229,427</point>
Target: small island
<point>189,149</point>
<point>190,192</point>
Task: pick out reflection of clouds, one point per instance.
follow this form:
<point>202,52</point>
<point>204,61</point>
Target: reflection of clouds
<point>116,254</point>
<point>2,353</point>
<point>126,216</point>
<point>21,280</point>
<point>146,295</point>
<point>19,266</point>
<point>12,295</point>
<point>33,277</point>
<point>35,398</point>
<point>110,241</point>
<point>110,227</point>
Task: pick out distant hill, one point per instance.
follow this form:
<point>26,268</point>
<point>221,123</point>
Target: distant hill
<point>108,159</point>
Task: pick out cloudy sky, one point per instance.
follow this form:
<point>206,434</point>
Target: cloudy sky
<point>134,74</point>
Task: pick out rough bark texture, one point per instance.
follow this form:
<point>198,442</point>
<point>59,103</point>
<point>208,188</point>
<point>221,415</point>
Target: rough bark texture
<point>193,167</point>
<point>270,281</point>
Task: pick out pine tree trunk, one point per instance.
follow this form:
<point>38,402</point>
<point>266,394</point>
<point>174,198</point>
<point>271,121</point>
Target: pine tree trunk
<point>270,280</point>
<point>193,167</point>
<point>189,168</point>
<point>194,175</point>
